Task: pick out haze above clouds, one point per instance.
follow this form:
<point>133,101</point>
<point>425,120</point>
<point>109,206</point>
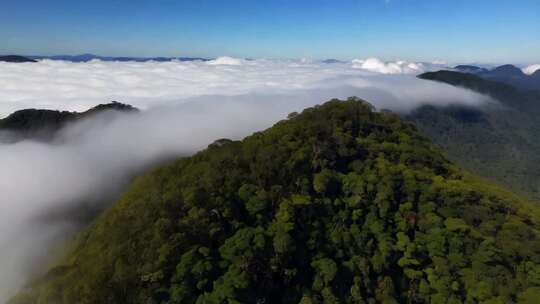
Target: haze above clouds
<point>186,106</point>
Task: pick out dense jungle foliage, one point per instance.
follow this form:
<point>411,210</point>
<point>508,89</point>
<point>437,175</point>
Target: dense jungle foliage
<point>337,204</point>
<point>500,140</point>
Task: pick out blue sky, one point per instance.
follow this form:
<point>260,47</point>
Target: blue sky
<point>456,31</point>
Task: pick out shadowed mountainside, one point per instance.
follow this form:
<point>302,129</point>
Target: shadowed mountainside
<point>508,74</point>
<point>499,141</point>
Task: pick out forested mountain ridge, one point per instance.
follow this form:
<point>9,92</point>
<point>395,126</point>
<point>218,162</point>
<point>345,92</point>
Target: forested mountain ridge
<point>337,204</point>
<point>507,94</point>
<point>43,125</point>
<point>500,141</point>
<point>508,74</point>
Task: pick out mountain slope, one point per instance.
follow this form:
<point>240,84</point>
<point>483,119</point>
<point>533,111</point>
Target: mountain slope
<point>337,204</point>
<point>514,76</point>
<point>44,124</point>
<point>507,94</point>
<point>499,141</point>
<point>508,74</point>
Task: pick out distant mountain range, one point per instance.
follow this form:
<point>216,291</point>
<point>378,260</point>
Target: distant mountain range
<point>88,57</point>
<point>15,58</point>
<point>507,73</point>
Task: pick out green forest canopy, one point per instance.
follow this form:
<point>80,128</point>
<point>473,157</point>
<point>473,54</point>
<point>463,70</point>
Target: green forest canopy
<point>499,140</point>
<point>337,204</point>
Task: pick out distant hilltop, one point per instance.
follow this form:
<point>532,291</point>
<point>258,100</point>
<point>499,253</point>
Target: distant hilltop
<point>42,125</point>
<point>15,58</point>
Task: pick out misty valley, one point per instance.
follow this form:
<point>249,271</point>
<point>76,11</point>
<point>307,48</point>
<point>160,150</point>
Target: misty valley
<point>357,182</point>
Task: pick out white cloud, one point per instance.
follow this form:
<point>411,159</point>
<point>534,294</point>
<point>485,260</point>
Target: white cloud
<point>225,61</point>
<point>398,67</point>
<point>186,106</point>
<point>531,69</point>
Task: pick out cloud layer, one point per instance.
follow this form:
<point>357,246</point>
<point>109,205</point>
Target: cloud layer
<point>398,67</point>
<point>186,106</point>
<point>531,69</point>
<point>78,86</point>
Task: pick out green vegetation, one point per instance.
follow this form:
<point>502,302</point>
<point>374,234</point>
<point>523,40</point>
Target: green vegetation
<point>44,124</point>
<point>337,204</point>
<point>499,141</point>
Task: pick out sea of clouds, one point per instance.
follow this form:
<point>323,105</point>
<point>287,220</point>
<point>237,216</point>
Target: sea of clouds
<point>77,86</point>
<point>185,106</point>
